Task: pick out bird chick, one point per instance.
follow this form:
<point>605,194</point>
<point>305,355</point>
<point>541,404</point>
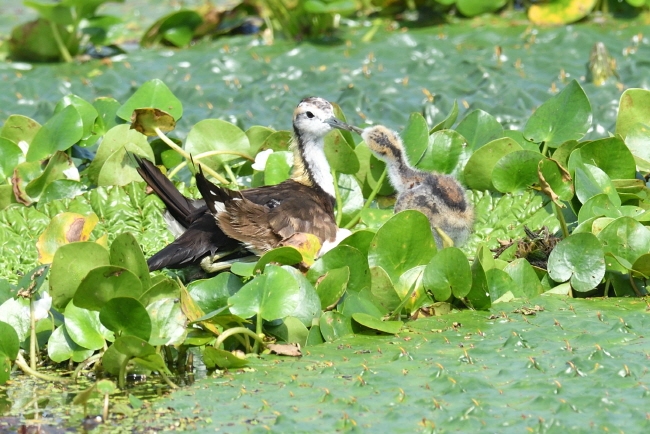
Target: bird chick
<point>440,197</point>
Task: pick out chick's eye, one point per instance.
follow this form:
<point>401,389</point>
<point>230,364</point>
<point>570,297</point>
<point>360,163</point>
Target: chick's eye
<point>309,115</point>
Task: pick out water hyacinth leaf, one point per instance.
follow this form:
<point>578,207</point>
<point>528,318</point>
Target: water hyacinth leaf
<point>342,256</point>
<point>125,252</point>
<point>562,153</point>
<point>415,137</point>
<point>126,316</point>
<point>342,7</point>
<point>133,346</point>
<point>566,116</point>
<point>554,180</point>
<point>368,321</point>
<point>23,174</point>
<point>153,94</point>
<point>638,141</point>
<point>360,240</point>
<point>20,130</point>
<point>59,133</point>
<point>334,325</point>
<point>274,295</point>
<point>117,169</point>
<point>479,295</point>
<point>217,358</point>
<point>216,135</point>
<point>106,114</point>
<point>9,344</point>
<point>332,285</point>
<point>516,171</point>
<point>641,266</point>
<point>168,322</point>
<point>612,156</point>
<point>285,255</point>
<point>61,347</point>
<point>257,135</point>
<point>445,151</point>
<point>448,273</point>
<point>276,141</point>
<point>340,154</point>
<point>501,286</point>
<point>590,181</point>
<point>212,294</point>
<point>410,285</point>
<point>524,277</point>
<point>374,171</point>
<point>633,109</point>
<point>309,305</point>
<point>292,331</point>
<point>86,111</point>
<point>147,120</point>
<point>59,166</point>
<point>449,121</point>
<point>350,195</point>
<point>163,289</point>
<point>85,328</point>
<point>277,168</point>
<point>61,189</point>
<point>194,313</point>
<point>113,360</point>
<point>375,218</point>
<point>479,128</point>
<point>383,291</point>
<point>403,242</point>
<point>472,8</point>
<point>176,28</point>
<point>626,238</point>
<point>70,265</point>
<point>10,156</point>
<point>347,135</point>
<point>360,302</point>
<point>596,206</point>
<point>34,41</point>
<point>104,283</point>
<point>315,337</point>
<point>64,228</point>
<point>580,259</point>
<point>479,167</point>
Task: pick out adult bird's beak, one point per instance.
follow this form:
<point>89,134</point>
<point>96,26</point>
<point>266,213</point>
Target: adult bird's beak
<point>336,123</point>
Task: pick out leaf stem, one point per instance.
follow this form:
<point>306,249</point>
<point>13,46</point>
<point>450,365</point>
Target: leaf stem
<point>237,330</point>
<point>397,312</point>
<point>59,43</point>
<point>32,336</point>
<point>371,197</point>
<point>88,361</point>
<point>188,157</point>
<point>560,217</point>
<point>339,201</point>
<point>258,330</point>
<point>222,152</point>
<point>22,364</point>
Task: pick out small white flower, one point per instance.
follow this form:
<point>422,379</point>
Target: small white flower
<point>42,306</point>
<point>71,173</point>
<point>260,160</point>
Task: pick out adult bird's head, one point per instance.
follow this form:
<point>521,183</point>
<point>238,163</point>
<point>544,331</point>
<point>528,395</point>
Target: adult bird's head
<point>314,118</point>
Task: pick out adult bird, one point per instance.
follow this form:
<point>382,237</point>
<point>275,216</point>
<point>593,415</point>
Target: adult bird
<point>226,222</point>
<point>440,197</point>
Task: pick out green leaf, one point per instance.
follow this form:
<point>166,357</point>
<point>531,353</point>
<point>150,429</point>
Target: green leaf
<point>152,94</point>
<point>383,291</point>
<point>415,137</point>
<point>126,316</point>
<point>61,347</point>
<point>612,156</point>
<point>339,257</point>
<point>334,325</point>
<point>566,116</point>
<point>10,156</point>
<point>103,283</point>
<point>18,128</point>
<point>391,327</point>
<point>216,135</point>
<point>445,151</point>
<point>472,8</point>
<point>177,28</point>
<point>59,133</point>
<point>403,242</point>
<point>449,121</point>
<point>479,167</point>
<point>168,322</point>
<point>448,273</point>
<point>84,327</point>
<point>309,305</point>
<point>86,111</point>
<point>590,181</point>
<point>332,286</point>
<point>479,295</point>
<point>579,258</point>
<point>479,128</point>
<point>125,252</point>
<point>292,331</point>
<point>274,295</point>
<point>70,265</point>
<point>524,277</point>
<point>217,358</point>
<point>556,178</point>
<point>501,286</point>
<point>16,313</point>
<point>350,195</point>
<point>560,11</point>
<point>626,238</point>
<point>277,168</point>
<point>212,294</point>
<point>9,344</point>
<point>340,154</point>
<point>516,171</point>
<point>633,109</point>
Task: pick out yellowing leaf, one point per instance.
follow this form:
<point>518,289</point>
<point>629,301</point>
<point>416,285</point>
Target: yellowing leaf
<point>65,228</point>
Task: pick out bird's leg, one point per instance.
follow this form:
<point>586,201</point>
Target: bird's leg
<point>210,264</point>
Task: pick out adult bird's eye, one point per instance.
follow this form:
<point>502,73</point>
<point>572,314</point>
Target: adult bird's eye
<point>309,115</point>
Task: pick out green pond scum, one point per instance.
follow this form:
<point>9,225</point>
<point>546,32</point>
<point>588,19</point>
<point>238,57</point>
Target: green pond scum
<point>546,127</point>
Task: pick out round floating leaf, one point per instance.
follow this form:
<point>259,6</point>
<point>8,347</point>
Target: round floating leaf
<point>626,238</point>
<point>642,265</point>
<point>152,94</point>
<point>415,137</point>
<point>342,256</point>
<point>291,330</point>
<point>309,305</point>
<point>566,116</point>
<point>9,344</point>
<point>334,325</point>
<point>257,135</point>
<point>84,327</point>
<point>375,217</point>
<point>217,358</point>
<point>281,255</point>
<point>560,11</point>
<point>479,167</point>
<point>590,181</point>
<point>554,180</point>
<point>61,347</point>
<point>106,110</point>
<point>212,294</point>
<point>164,289</point>
<point>168,322</point>
<point>596,206</point>
<point>403,242</point>
<point>411,283</point>
<point>104,283</point>
<point>146,120</point>
<point>340,154</point>
<point>579,258</point>
<point>20,130</point>
<point>86,111</point>
<point>383,291</point>
<point>524,277</point>
<point>216,135</point>
<point>444,152</point>
<point>126,316</point>
<point>391,327</point>
<point>64,228</point>
<point>112,360</point>
<point>612,156</point>
<point>274,294</point>
<point>125,252</point>
<point>59,133</point>
<point>70,265</point>
<point>277,141</point>
<point>516,171</point>
<point>176,28</point>
<point>133,346</point>
<point>360,302</point>
<point>448,273</point>
<point>479,128</point>
<point>633,109</point>
<point>59,166</point>
<point>360,240</point>
<point>332,285</point>
<point>501,286</point>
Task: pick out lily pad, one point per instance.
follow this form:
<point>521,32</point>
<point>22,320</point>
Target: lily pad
<point>415,137</point>
<point>216,135</point>
<point>516,171</point>
<point>59,133</point>
<point>448,273</point>
<point>332,285</point>
<point>445,151</point>
<point>391,327</point>
<point>63,229</point>
<point>479,128</point>
<point>580,259</point>
<point>101,284</point>
<point>334,325</point>
<point>126,316</point>
<point>479,167</point>
<point>634,109</point>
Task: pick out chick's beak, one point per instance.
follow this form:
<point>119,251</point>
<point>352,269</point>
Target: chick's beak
<point>336,123</point>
